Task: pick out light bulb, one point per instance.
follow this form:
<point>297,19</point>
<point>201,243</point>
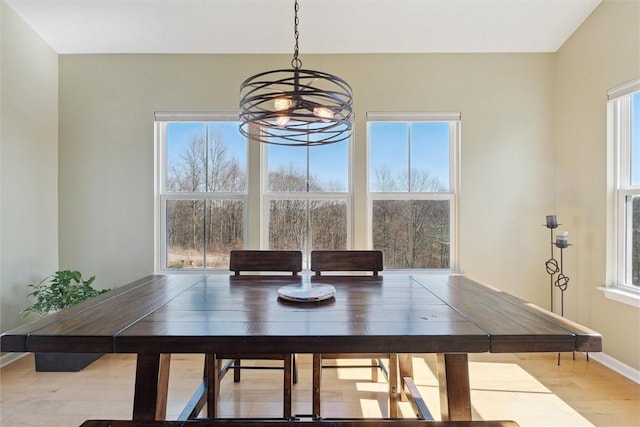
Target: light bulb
<point>282,121</point>
<point>323,112</point>
<point>281,104</point>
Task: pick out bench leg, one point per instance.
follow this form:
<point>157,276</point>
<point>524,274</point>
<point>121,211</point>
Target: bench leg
<point>453,378</point>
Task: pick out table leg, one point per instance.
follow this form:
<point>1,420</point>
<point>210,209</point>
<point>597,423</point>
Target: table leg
<point>455,396</point>
<point>212,368</point>
<point>152,379</point>
<point>393,385</point>
<point>286,386</point>
<point>405,362</point>
<point>163,386</point>
<point>317,377</point>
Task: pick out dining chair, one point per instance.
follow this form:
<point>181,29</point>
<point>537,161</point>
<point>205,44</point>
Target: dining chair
<point>346,261</point>
<point>359,262</point>
<point>264,262</point>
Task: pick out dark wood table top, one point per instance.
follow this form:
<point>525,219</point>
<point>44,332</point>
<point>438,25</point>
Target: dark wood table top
<point>392,313</point>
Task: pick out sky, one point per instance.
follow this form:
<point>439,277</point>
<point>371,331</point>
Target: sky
<point>635,139</point>
<point>390,145</point>
<point>422,146</point>
<point>180,133</point>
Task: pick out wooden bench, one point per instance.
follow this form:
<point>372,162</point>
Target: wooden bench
<point>398,422</point>
<point>343,261</point>
<point>265,261</point>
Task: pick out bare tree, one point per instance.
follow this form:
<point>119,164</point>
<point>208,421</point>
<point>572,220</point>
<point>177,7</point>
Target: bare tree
<point>412,233</point>
<point>635,242</point>
<point>203,224</point>
<point>302,224</point>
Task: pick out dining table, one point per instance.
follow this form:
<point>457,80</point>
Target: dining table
<point>450,315</point>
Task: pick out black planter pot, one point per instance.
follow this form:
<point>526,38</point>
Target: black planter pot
<point>64,362</point>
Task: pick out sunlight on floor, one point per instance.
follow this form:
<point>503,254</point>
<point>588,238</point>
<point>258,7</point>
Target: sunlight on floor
<point>505,390</point>
<point>500,389</point>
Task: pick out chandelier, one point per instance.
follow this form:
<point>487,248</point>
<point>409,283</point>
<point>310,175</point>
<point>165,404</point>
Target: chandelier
<point>296,106</point>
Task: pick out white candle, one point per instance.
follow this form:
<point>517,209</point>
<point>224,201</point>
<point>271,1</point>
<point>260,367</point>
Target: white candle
<point>562,239</point>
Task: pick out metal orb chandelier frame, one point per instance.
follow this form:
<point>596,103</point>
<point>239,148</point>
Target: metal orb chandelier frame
<point>296,107</point>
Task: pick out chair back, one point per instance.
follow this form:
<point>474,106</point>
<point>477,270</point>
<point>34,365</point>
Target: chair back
<point>367,260</point>
<point>263,260</point>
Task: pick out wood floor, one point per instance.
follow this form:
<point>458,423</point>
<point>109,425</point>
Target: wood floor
<point>530,389</point>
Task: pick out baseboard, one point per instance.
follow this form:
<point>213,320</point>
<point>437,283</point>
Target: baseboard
<point>7,358</point>
<point>617,366</point>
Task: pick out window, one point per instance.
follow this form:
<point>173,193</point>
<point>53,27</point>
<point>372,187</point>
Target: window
<point>307,197</point>
<point>625,114</point>
<point>203,193</point>
<point>202,190</point>
<point>412,188</point>
<point>301,197</point>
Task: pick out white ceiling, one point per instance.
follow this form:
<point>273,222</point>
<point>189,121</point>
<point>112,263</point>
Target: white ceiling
<point>326,26</point>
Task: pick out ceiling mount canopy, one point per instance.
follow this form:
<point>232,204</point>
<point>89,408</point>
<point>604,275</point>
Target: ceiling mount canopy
<point>296,106</point>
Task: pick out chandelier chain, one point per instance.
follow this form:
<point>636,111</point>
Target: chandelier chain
<point>296,62</point>
<point>296,107</point>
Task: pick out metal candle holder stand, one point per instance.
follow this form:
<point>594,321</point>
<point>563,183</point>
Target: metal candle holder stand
<point>556,270</point>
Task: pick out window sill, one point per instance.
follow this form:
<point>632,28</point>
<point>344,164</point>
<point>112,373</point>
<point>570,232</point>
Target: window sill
<point>617,293</point>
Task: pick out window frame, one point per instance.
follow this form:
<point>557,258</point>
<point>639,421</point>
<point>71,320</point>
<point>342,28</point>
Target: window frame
<point>619,112</point>
<point>162,195</point>
<point>454,120</point>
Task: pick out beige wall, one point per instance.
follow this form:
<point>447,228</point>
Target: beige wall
<point>106,148</point>
<point>28,163</point>
<point>604,52</point>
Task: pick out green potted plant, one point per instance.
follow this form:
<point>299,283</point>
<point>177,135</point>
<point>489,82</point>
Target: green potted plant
<point>62,289</point>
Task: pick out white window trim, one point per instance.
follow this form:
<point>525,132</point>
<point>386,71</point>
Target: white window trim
<point>620,294</point>
<point>618,110</point>
<point>454,178</point>
<point>161,195</point>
